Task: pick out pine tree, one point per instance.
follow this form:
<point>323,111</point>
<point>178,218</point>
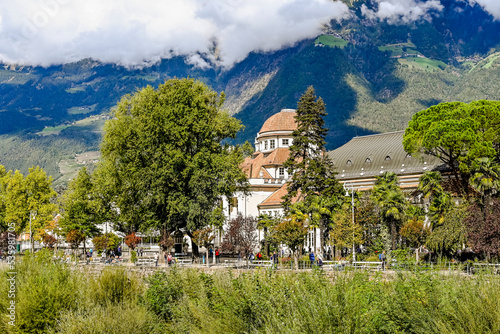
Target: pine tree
<point>311,169</point>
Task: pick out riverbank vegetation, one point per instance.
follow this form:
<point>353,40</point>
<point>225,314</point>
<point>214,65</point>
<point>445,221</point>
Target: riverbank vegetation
<point>52,298</point>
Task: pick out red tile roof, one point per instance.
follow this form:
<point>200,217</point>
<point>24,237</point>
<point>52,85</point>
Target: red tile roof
<point>255,163</point>
<point>276,197</point>
<point>282,121</point>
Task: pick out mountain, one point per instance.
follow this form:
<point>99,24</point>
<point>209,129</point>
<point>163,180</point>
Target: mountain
<point>373,76</point>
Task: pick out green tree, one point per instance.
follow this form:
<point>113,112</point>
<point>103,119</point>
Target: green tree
<point>3,190</point>
<point>457,133</point>
<point>430,184</point>
<point>267,223</point>
<point>292,233</point>
<point>450,235</point>
<point>163,159</point>
<point>30,199</point>
<point>204,238</point>
<point>79,207</point>
<point>391,203</point>
<point>311,169</point>
<point>344,232</point>
<point>485,178</point>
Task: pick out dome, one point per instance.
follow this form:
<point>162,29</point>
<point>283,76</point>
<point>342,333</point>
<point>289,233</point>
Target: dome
<point>282,121</point>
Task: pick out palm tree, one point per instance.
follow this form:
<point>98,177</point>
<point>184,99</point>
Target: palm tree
<point>430,184</point>
<point>485,178</point>
<point>391,202</point>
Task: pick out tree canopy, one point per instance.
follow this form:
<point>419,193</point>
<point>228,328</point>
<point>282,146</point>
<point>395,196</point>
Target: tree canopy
<point>163,156</point>
<point>311,169</point>
<point>457,133</point>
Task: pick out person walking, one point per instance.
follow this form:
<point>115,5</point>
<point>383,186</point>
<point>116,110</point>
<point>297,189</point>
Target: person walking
<point>156,259</point>
<point>275,260</point>
<point>217,256</point>
<point>381,257</point>
<point>311,258</point>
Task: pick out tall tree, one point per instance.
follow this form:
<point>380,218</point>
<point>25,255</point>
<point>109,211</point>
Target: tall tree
<point>30,199</point>
<point>292,232</point>
<point>391,202</point>
<point>3,189</point>
<point>163,156</point>
<point>311,169</point>
<point>485,178</point>
<point>79,207</point>
<point>457,133</point>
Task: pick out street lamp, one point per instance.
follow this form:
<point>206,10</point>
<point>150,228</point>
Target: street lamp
<point>348,186</point>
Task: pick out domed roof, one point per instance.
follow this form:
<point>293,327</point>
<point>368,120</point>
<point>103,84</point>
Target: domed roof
<point>282,121</point>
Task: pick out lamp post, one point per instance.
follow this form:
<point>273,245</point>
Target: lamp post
<point>348,186</point>
<point>32,214</point>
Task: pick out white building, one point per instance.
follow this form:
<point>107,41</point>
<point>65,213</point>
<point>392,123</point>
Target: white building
<point>265,172</point>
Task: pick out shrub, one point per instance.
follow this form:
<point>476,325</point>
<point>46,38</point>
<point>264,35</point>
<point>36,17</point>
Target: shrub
<point>133,256</point>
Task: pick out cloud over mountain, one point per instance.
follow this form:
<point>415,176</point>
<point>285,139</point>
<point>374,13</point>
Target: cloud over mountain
<point>138,32</point>
<point>402,11</point>
<point>490,6</point>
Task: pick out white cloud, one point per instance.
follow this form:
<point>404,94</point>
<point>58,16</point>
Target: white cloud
<point>137,32</point>
<point>402,11</point>
<point>490,6</point>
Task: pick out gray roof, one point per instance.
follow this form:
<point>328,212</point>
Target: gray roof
<point>370,156</point>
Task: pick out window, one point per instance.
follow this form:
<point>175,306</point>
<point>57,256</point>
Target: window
<point>349,162</point>
<point>281,171</point>
<point>387,158</point>
<point>265,145</point>
<point>271,144</point>
<point>368,160</point>
<point>285,142</point>
<point>408,155</point>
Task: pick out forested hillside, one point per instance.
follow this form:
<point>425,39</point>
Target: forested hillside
<point>373,75</point>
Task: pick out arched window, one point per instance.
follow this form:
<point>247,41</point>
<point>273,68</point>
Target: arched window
<point>408,155</point>
<point>387,158</point>
<point>349,162</point>
<point>368,160</point>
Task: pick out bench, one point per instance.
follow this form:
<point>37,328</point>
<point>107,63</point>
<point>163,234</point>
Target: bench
<point>261,263</point>
<point>145,262</point>
<point>334,265</point>
<point>367,265</point>
<point>183,261</point>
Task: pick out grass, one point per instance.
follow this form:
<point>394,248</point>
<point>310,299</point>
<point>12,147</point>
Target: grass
<point>425,64</point>
<point>149,78</point>
<point>76,89</point>
<point>52,298</point>
<point>50,130</point>
<point>398,50</point>
<point>81,110</point>
<point>331,41</point>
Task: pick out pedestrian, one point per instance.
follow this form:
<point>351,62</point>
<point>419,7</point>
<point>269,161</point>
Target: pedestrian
<point>165,257</point>
<point>259,256</point>
<point>381,257</point>
<point>251,257</point>
<point>320,260</point>
<point>311,258</point>
<point>119,251</point>
<point>104,255</point>
<point>275,260</point>
<point>217,255</point>
<point>91,253</point>
<point>156,259</point>
<point>169,259</point>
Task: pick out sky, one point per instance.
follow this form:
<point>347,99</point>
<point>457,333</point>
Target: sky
<point>141,32</point>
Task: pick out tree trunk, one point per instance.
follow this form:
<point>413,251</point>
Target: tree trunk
<point>296,260</point>
<point>194,247</point>
<point>393,234</point>
<point>266,244</point>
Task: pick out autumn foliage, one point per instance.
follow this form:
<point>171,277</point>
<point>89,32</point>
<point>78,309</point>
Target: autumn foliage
<point>132,240</point>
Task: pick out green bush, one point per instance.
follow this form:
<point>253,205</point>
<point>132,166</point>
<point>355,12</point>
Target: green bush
<point>133,256</point>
